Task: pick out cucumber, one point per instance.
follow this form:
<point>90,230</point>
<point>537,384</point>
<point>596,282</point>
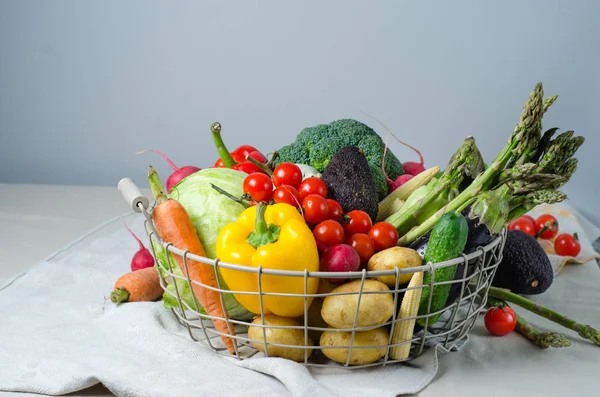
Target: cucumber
<point>447,241</point>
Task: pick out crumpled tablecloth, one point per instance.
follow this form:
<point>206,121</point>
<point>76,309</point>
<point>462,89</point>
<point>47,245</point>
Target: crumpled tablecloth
<point>60,334</point>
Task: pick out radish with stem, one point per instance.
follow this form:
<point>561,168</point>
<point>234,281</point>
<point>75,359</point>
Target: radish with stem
<point>411,168</point>
<point>179,173</point>
<point>142,258</point>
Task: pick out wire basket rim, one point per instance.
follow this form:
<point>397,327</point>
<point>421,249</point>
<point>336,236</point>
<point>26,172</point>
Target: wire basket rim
<point>426,267</point>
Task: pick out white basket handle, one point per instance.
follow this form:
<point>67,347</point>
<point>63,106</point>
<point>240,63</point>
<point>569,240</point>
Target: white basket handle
<point>132,194</point>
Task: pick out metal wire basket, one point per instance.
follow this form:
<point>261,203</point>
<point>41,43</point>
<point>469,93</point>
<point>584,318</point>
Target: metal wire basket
<point>476,273</point>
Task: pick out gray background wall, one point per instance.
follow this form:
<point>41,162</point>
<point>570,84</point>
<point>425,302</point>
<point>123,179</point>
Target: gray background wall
<point>84,85</point>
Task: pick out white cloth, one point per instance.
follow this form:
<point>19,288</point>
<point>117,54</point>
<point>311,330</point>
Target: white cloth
<point>60,334</point>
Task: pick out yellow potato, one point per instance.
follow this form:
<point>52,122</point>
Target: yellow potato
<point>339,310</point>
<point>388,259</point>
<point>290,337</point>
<point>365,348</point>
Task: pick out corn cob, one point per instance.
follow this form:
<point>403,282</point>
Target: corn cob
<point>387,205</point>
<point>404,328</point>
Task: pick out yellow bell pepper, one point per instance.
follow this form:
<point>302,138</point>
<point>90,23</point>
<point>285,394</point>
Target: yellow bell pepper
<point>274,237</point>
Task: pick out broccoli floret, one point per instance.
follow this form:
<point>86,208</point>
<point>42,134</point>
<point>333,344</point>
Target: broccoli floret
<point>293,153</point>
<point>315,146</point>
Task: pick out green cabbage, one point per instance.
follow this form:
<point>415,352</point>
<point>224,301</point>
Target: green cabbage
<point>209,212</point>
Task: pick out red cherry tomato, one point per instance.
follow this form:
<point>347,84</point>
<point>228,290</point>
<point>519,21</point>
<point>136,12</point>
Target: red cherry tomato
<point>329,232</point>
<point>363,244</point>
<point>312,185</point>
<point>287,174</point>
<point>258,186</point>
<point>548,221</point>
<point>219,164</point>
<point>335,210</point>
<point>531,218</point>
<point>384,235</point>
<point>500,320</point>
<point>286,194</point>
<point>567,245</point>
<point>524,224</point>
<point>357,222</point>
<point>247,167</point>
<point>315,208</point>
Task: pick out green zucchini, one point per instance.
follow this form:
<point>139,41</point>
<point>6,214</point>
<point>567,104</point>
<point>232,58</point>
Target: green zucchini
<point>447,241</point>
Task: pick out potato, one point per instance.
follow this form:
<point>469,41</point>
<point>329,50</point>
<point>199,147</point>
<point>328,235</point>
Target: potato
<point>290,337</point>
<point>388,259</point>
<point>363,349</point>
<point>339,310</point>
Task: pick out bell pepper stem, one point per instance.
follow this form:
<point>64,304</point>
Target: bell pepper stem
<point>263,233</point>
<point>228,161</point>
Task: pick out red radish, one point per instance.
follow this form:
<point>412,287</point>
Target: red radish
<point>142,258</point>
<point>178,172</point>
<point>340,258</point>
<point>401,180</point>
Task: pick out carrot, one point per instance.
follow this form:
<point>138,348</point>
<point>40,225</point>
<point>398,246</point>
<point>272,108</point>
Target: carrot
<point>173,225</point>
<point>137,286</point>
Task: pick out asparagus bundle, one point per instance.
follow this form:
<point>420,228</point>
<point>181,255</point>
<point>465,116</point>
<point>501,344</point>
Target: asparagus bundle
<point>528,171</point>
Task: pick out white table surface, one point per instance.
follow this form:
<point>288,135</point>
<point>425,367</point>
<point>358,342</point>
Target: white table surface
<point>36,220</point>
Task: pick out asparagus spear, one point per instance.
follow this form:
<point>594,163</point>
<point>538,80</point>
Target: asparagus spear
<point>542,339</point>
<point>585,331</point>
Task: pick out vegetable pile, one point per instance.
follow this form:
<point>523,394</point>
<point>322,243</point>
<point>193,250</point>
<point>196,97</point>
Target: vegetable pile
<point>337,200</point>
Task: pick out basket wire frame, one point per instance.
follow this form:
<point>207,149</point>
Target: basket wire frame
<point>457,320</point>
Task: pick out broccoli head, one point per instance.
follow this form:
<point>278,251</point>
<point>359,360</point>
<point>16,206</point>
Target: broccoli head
<point>315,146</point>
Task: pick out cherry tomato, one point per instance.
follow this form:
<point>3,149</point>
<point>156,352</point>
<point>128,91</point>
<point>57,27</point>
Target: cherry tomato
<point>287,174</point>
<point>500,320</point>
<point>335,210</point>
<point>315,208</point>
<point>258,186</point>
<point>567,245</point>
<point>329,232</point>
<point>384,235</point>
<point>312,185</point>
<point>247,167</point>
<point>357,222</point>
<point>523,224</point>
<point>529,217</point>
<point>548,221</point>
<point>286,194</point>
<point>363,244</point>
<point>219,164</point>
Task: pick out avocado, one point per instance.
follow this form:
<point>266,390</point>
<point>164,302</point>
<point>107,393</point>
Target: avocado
<point>350,181</point>
<point>525,268</point>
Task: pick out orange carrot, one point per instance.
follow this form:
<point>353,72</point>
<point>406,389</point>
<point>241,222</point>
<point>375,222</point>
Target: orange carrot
<point>173,225</point>
<point>137,286</point>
